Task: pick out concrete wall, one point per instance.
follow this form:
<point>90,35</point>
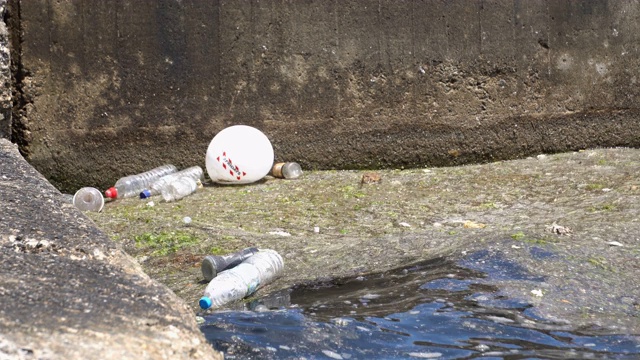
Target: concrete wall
<point>114,87</point>
<point>5,77</point>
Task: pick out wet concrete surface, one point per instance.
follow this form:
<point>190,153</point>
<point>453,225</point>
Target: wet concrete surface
<point>565,228</point>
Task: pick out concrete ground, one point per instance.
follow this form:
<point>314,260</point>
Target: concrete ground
<point>570,219</point>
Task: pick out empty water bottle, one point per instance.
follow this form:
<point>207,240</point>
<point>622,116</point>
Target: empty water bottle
<point>156,187</point>
<point>88,199</point>
<point>286,170</point>
<point>242,280</point>
<point>131,185</point>
<point>213,264</point>
<point>179,188</point>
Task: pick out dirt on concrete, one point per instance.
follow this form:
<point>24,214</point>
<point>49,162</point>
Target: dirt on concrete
<point>573,219</point>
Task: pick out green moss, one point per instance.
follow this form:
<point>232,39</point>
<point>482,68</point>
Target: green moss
<point>165,243</point>
<point>603,207</point>
<point>518,236</point>
<point>593,187</point>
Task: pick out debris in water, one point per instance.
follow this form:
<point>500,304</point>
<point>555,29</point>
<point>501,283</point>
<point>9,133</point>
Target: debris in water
<point>332,354</point>
<point>614,243</point>
<point>537,292</point>
<point>423,355</point>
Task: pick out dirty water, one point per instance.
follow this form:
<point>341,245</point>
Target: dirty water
<point>437,309</point>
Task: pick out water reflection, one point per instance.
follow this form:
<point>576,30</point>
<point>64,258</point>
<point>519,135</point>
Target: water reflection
<point>435,309</point>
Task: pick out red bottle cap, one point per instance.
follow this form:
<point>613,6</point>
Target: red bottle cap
<point>111,193</point>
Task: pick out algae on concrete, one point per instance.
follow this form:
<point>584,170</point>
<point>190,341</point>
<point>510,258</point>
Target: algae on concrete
<point>510,207</point>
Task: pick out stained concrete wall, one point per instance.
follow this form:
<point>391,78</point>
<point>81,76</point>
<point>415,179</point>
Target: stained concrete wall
<point>114,87</point>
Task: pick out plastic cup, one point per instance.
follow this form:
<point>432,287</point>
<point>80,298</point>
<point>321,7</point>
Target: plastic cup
<point>88,199</point>
<point>239,154</point>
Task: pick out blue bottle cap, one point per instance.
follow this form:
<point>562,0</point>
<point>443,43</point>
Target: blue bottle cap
<point>205,303</point>
<point>145,194</point>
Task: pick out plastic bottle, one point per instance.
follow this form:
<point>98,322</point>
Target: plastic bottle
<point>286,170</point>
<point>179,188</point>
<point>213,264</point>
<point>131,185</point>
<point>88,199</point>
<point>242,280</point>
<point>194,172</point>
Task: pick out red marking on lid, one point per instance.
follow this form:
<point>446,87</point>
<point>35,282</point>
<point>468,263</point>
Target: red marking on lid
<point>244,173</point>
<point>218,158</point>
<point>238,177</point>
<point>224,153</point>
<point>230,172</point>
<point>224,166</point>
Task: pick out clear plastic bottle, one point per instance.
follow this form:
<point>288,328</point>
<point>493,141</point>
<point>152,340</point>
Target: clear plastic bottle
<point>194,172</point>
<point>179,188</point>
<point>286,170</point>
<point>213,264</point>
<point>131,185</point>
<point>88,199</point>
<point>242,280</point>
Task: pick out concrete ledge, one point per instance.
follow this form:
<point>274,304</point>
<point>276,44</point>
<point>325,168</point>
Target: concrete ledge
<point>69,292</point>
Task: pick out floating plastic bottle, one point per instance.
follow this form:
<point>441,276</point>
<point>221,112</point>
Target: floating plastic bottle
<point>242,280</point>
<point>213,264</point>
<point>131,185</point>
<point>179,188</point>
<point>286,170</point>
<point>88,199</point>
<point>194,172</point>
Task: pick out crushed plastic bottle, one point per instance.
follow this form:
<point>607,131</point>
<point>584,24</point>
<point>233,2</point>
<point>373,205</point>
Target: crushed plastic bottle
<point>242,280</point>
<point>88,199</point>
<point>131,185</point>
<point>179,188</point>
<point>213,264</point>
<point>286,170</point>
<point>156,187</point>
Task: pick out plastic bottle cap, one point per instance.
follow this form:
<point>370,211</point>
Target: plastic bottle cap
<point>145,194</point>
<point>205,303</point>
<point>111,193</point>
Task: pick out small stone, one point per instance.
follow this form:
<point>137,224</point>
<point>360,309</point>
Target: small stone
<point>614,243</point>
<point>370,178</point>
<point>537,292</point>
<point>560,230</point>
<point>186,220</point>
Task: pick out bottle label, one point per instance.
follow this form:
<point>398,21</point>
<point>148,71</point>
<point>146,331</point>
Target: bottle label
<point>276,170</point>
<point>251,288</point>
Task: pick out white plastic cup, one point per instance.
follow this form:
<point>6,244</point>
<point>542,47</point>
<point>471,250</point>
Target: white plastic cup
<point>88,199</point>
<point>239,154</point>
